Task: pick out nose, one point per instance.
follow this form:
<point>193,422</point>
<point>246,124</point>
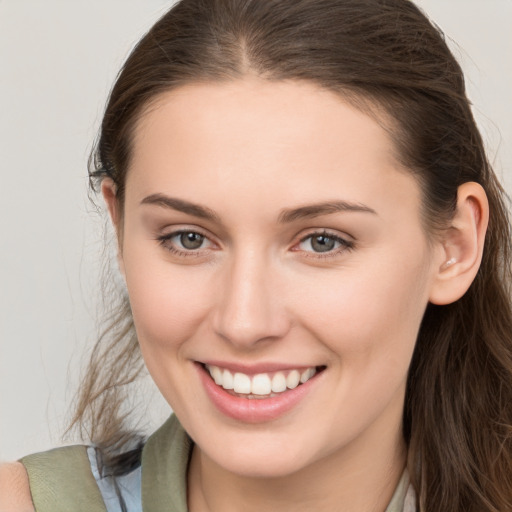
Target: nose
<point>250,307</point>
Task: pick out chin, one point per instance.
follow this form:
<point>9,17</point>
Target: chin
<point>268,466</point>
<point>259,456</point>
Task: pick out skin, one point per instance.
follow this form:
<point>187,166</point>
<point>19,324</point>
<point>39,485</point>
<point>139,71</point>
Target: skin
<point>256,291</point>
<point>14,489</point>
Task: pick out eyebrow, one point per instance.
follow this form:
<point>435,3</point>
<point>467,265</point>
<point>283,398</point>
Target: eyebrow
<point>182,206</point>
<point>325,208</point>
<point>286,216</point>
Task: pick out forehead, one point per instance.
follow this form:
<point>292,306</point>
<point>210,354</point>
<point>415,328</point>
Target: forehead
<point>291,110</point>
<point>290,139</point>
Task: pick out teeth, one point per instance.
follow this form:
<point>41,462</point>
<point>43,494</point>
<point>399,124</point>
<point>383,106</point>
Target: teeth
<point>216,373</point>
<point>227,380</point>
<point>293,379</point>
<point>261,384</point>
<point>278,382</point>
<point>306,375</point>
<point>241,383</point>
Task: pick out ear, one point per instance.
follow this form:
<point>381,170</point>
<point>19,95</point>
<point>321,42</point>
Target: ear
<point>462,246</point>
<point>109,190</point>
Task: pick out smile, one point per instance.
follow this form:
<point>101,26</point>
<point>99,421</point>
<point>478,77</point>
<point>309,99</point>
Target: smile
<point>261,385</point>
<point>253,395</point>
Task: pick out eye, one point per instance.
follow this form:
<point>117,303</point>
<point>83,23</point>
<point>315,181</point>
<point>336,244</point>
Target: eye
<point>185,242</point>
<point>324,242</point>
<point>189,240</point>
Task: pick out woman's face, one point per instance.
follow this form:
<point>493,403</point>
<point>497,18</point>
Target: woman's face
<point>269,234</point>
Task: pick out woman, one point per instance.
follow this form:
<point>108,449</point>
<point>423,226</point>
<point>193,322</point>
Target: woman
<point>317,258</point>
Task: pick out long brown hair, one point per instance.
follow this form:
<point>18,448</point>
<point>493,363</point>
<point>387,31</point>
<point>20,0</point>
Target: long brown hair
<point>379,55</point>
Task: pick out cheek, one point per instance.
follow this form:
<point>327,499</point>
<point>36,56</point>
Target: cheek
<point>168,302</point>
<point>369,317</point>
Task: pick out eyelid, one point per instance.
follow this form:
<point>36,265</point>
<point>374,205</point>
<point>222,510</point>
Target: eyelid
<point>331,233</point>
<point>346,242</point>
<point>163,239</point>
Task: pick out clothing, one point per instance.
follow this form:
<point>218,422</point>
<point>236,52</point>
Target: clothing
<point>67,479</point>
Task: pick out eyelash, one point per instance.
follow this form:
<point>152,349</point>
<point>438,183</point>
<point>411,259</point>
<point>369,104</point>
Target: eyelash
<point>345,245</point>
<point>164,239</point>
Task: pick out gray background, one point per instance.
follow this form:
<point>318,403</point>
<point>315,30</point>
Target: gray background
<point>57,63</point>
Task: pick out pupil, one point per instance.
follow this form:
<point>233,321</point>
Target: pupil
<point>191,240</point>
<point>322,243</point>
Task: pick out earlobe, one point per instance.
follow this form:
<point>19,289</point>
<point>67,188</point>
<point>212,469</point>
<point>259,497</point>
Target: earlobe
<point>108,190</point>
<point>462,246</point>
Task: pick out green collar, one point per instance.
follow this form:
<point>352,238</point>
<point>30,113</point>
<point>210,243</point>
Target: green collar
<point>165,460</point>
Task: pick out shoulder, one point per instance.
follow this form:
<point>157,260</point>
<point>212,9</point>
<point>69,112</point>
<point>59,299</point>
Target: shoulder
<point>61,480</point>
<point>14,489</point>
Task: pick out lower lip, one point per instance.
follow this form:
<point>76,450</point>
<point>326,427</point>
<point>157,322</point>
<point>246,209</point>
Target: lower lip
<point>257,410</point>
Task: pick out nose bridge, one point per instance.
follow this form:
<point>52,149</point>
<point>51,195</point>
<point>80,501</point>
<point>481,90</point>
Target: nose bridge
<point>249,308</point>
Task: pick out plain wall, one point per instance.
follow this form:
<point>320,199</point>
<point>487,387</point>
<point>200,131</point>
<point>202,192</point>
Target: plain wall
<point>58,60</point>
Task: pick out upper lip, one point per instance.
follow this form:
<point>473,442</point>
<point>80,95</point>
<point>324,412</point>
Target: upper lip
<point>254,369</point>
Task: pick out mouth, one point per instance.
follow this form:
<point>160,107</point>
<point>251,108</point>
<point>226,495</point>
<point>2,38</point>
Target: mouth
<point>252,395</point>
<point>261,386</point>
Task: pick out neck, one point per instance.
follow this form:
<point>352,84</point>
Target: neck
<point>358,478</point>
